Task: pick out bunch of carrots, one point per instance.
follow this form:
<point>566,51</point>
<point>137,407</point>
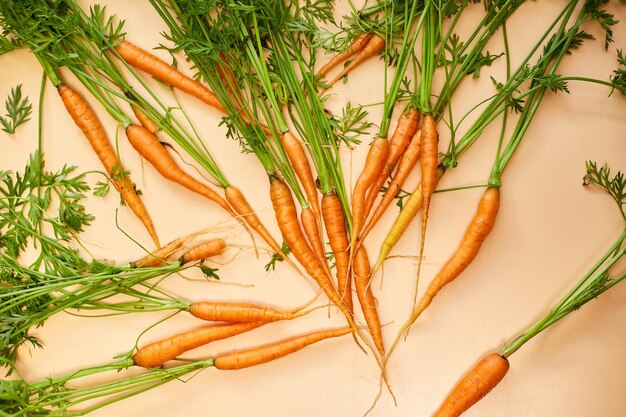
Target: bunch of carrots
<point>256,64</point>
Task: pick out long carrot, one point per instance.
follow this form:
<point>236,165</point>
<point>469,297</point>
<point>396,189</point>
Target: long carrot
<point>476,233</point>
<point>203,251</point>
<point>287,219</point>
<point>235,312</point>
<point>362,280</point>
<point>252,357</point>
<point>474,386</point>
<point>374,45</point>
<point>164,72</point>
<point>374,163</point>
<point>355,47</point>
<point>338,239</point>
<point>398,144</point>
<point>157,353</point>
<point>405,166</point>
<point>430,161</point>
<point>150,148</point>
<point>87,120</point>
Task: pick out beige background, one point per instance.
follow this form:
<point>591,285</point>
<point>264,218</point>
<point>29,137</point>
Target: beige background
<point>549,231</point>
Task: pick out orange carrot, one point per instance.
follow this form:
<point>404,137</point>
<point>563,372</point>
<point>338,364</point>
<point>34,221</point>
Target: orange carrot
<point>312,231</point>
<point>407,126</point>
<point>474,386</point>
<point>239,312</point>
<point>150,148</point>
<point>86,119</point>
<point>338,239</point>
<point>157,257</point>
<point>256,356</point>
<point>157,353</point>
<point>406,164</point>
<point>430,161</point>
<point>355,47</point>
<point>239,203</point>
<point>203,251</point>
<point>287,219</point>
<point>376,157</point>
<point>164,72</point>
<point>362,280</point>
<point>300,163</point>
<point>145,121</point>
<point>374,45</point>
<point>476,233</point>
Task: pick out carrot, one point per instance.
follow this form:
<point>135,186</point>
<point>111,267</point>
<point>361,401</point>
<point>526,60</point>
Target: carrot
<point>474,386</point>
<point>408,213</point>
<point>300,163</point>
<point>287,219</point>
<point>256,356</point>
<point>312,231</point>
<point>239,203</point>
<point>86,119</point>
<point>476,233</point>
<point>376,157</point>
<point>150,148</point>
<point>398,144</point>
<point>362,279</point>
<point>338,239</point>
<point>374,45</point>
<point>355,47</point>
<point>430,161</point>
<point>203,251</point>
<point>164,72</point>
<point>406,164</point>
<point>240,312</point>
<point>157,353</point>
<point>157,257</point>
<point>145,121</point>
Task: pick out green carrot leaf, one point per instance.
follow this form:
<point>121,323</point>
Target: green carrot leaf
<point>18,110</point>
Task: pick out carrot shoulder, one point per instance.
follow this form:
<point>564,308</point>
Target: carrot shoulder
<point>88,122</point>
<point>474,386</point>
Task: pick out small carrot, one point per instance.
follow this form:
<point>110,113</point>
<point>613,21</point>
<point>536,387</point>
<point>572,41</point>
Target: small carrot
<point>144,120</point>
<point>476,233</point>
<point>256,356</point>
<point>240,312</point>
<point>406,164</point>
<point>157,257</point>
<point>398,144</point>
<point>374,45</point>
<point>87,120</point>
<point>164,72</point>
<point>338,239</point>
<point>362,280</point>
<point>150,148</point>
<point>312,231</point>
<point>474,386</point>
<point>430,161</point>
<point>300,163</point>
<point>355,47</point>
<point>374,162</point>
<point>157,353</point>
<point>203,251</point>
